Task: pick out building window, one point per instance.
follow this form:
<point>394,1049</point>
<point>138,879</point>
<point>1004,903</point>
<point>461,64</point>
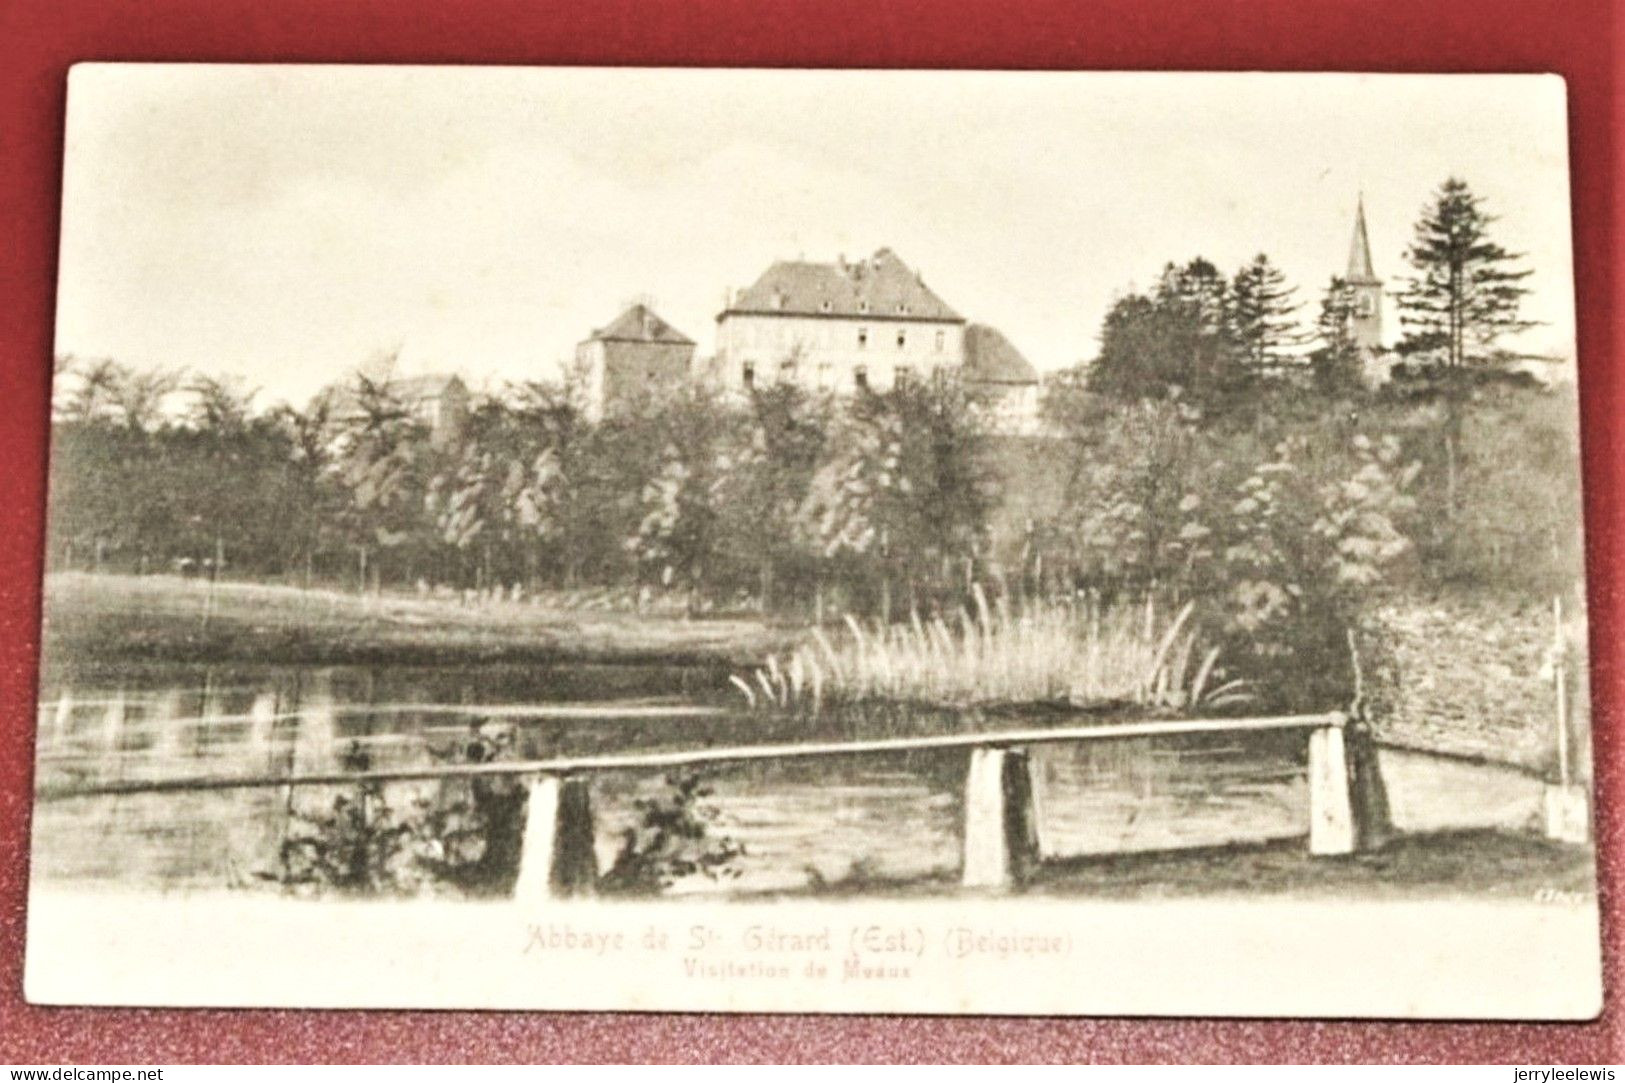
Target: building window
<point>747,374</point>
<point>942,338</point>
<point>787,371</point>
<point>863,306</point>
<point>903,374</point>
<point>860,377</point>
<point>863,337</point>
<point>823,376</point>
<point>902,339</point>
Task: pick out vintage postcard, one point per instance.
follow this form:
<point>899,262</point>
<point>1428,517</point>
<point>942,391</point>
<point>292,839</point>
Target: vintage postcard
<point>815,541</point>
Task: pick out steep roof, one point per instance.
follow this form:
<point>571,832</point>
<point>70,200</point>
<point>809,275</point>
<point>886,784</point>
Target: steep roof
<point>640,324</point>
<point>881,287</point>
<point>990,358</point>
<point>1360,270</point>
<point>427,386</point>
<point>341,398</point>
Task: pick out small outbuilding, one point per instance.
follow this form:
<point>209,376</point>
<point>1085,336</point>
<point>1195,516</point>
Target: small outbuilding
<point>1005,379</point>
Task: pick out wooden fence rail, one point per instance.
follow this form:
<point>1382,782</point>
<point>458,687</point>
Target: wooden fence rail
<point>1000,844</point>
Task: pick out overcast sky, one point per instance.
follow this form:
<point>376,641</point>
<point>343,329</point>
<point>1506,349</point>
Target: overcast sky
<point>283,224</point>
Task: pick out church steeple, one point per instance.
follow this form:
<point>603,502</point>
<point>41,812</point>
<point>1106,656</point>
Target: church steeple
<point>1366,321</point>
<point>1360,271</point>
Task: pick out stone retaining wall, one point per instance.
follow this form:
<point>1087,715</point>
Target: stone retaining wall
<point>1475,678</point>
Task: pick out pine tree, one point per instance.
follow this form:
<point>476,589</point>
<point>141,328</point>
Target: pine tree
<point>1466,292</point>
<point>1138,355</point>
<point>1181,336</point>
<point>1196,299</point>
<point>1465,295</point>
<point>1336,363</point>
<point>1202,290</point>
<point>1261,308</point>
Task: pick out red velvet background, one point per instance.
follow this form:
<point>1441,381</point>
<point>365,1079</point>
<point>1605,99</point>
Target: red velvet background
<point>1580,39</point>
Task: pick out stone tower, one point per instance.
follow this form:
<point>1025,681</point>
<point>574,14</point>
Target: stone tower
<point>636,355</point>
<point>1366,323</point>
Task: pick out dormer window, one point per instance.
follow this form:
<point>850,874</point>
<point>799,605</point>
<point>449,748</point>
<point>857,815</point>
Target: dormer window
<point>902,310</point>
<point>863,337</point>
<point>902,339</point>
<point>823,306</point>
<point>863,306</point>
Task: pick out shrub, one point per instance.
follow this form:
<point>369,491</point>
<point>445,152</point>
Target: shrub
<point>358,845</point>
<point>468,836</point>
<point>1304,552</point>
<point>673,840</point>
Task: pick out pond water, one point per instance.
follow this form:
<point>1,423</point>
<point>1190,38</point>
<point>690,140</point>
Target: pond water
<point>834,823</point>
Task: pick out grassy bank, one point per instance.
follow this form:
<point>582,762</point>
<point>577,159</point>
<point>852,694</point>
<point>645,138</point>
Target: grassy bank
<point>168,618</point>
<point>1469,863</point>
<point>1476,863</point>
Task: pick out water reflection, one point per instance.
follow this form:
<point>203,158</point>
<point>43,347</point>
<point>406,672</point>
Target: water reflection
<point>840,823</point>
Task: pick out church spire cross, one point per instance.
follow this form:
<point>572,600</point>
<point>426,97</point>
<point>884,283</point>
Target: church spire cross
<point>1360,269</point>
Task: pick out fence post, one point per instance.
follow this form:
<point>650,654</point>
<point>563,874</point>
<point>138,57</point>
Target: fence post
<point>1373,819</point>
<point>1001,831</point>
<point>1331,806</point>
<point>556,856</point>
<point>167,717</point>
<point>63,723</point>
<point>113,723</point>
<point>1038,781</point>
<point>317,723</point>
<point>262,721</point>
<point>1568,812</point>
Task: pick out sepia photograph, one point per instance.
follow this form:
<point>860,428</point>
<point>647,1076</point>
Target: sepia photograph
<point>839,541</point>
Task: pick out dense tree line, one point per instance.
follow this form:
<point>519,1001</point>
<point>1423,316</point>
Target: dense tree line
<point>776,500</point>
<point>1219,339</point>
<point>1220,451</point>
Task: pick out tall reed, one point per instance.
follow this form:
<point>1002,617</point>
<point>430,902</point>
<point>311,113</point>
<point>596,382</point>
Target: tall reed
<point>1063,651</point>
